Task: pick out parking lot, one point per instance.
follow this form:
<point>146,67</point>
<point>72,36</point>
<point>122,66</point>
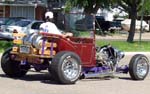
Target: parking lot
<point>40,83</point>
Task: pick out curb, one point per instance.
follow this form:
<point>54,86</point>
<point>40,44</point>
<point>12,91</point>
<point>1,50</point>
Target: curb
<point>132,53</point>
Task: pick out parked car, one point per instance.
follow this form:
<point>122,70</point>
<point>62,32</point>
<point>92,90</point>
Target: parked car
<point>126,25</point>
<point>115,25</point>
<point>2,22</point>
<point>100,23</point>
<point>104,25</point>
<point>5,22</point>
<point>25,26</point>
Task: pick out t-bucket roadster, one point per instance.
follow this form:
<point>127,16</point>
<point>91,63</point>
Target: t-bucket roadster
<point>68,59</point>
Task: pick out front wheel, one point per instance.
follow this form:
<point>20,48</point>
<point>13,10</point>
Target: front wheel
<point>138,67</point>
<point>65,67</point>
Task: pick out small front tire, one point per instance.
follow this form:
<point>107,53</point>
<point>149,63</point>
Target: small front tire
<point>138,67</point>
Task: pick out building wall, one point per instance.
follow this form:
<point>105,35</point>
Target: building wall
<point>1,11</point>
<point>7,11</point>
<point>31,12</point>
<point>22,11</point>
<point>4,11</point>
<point>40,12</point>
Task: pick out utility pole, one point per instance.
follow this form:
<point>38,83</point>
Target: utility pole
<point>142,14</point>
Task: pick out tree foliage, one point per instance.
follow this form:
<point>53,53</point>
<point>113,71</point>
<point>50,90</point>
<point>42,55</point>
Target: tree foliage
<point>132,7</point>
<point>90,6</point>
<point>147,7</point>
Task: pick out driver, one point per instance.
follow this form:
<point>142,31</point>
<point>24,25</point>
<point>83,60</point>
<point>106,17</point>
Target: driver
<point>50,27</point>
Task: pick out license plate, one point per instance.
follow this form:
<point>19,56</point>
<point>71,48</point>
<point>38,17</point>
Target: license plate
<point>24,49</point>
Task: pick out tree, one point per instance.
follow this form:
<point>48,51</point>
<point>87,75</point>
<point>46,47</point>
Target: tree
<point>90,6</point>
<point>146,10</point>
<point>147,7</point>
<point>130,6</point>
<point>133,7</point>
<point>54,4</point>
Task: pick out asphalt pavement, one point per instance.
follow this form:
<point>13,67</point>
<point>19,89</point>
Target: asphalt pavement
<point>41,83</point>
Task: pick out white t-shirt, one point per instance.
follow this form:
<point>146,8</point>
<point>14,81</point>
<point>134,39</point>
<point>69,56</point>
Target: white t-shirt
<point>50,27</point>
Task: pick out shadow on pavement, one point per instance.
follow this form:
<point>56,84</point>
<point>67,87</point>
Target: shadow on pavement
<point>125,78</point>
<point>47,79</point>
<point>43,78</point>
<point>107,78</point>
<point>3,76</point>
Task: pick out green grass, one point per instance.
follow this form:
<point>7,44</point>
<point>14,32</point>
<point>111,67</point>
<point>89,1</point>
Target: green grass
<point>4,45</point>
<point>84,34</point>
<point>122,45</point>
<point>144,46</point>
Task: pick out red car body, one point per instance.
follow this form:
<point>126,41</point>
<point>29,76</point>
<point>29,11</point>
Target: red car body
<point>83,47</point>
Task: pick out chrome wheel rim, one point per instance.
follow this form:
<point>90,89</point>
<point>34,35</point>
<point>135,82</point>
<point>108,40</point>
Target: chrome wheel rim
<point>70,68</point>
<point>142,67</point>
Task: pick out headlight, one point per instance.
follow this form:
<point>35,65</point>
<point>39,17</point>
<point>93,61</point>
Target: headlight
<point>120,54</point>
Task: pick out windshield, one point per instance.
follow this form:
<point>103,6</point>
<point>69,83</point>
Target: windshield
<point>22,23</point>
<point>79,24</point>
<point>9,21</point>
<point>3,21</point>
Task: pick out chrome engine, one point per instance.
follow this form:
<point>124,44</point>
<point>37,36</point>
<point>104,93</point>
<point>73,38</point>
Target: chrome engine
<point>33,39</point>
<point>109,56</point>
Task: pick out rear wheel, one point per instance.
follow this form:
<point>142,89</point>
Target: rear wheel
<point>139,67</point>
<point>11,67</point>
<point>65,67</point>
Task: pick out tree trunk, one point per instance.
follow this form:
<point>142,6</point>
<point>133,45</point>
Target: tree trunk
<point>133,16</point>
<point>149,25</point>
<point>91,9</point>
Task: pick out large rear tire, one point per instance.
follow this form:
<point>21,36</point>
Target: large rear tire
<point>65,67</point>
<point>11,67</point>
<point>138,67</point>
